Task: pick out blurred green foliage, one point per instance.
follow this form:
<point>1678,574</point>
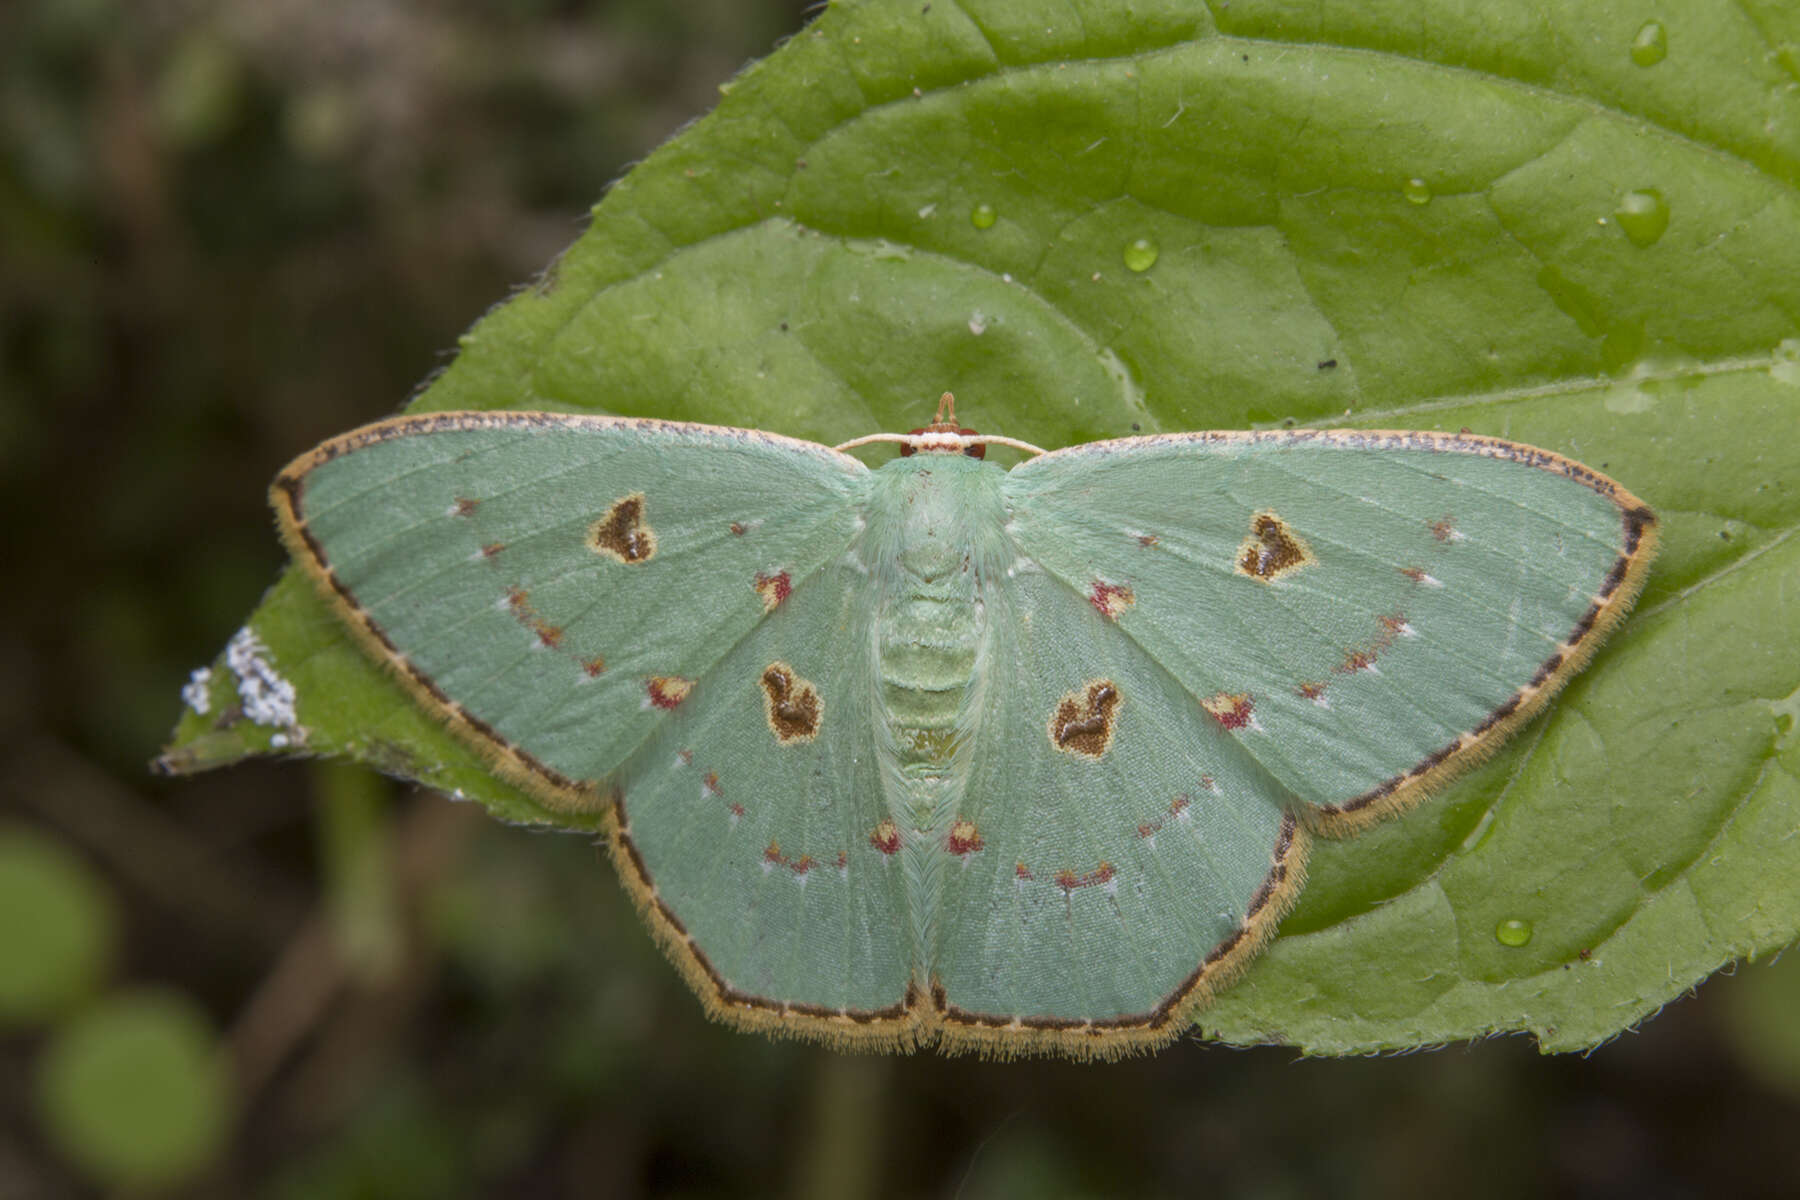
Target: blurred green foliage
<point>228,230</point>
<point>57,929</point>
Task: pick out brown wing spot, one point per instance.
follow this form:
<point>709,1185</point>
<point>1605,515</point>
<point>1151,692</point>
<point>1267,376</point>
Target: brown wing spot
<point>738,528</point>
<point>885,837</point>
<point>791,704</point>
<point>1147,540</point>
<point>773,589</point>
<point>965,838</point>
<point>622,533</point>
<point>1232,710</point>
<point>594,666</point>
<point>1068,881</point>
<point>492,548</point>
<point>1110,599</point>
<point>1312,691</point>
<point>1022,872</point>
<point>464,507</point>
<point>667,691</point>
<point>1444,529</point>
<point>1271,550</point>
<point>1082,722</point>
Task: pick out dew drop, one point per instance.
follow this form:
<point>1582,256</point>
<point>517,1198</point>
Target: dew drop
<point>1513,932</point>
<point>1140,255</point>
<point>1643,215</point>
<point>1651,45</point>
<point>983,216</point>
<point>1416,191</point>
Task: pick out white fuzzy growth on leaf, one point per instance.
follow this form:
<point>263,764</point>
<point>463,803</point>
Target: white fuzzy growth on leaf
<point>267,698</point>
<point>197,692</point>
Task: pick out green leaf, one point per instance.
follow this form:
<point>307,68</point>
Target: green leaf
<point>1383,214</point>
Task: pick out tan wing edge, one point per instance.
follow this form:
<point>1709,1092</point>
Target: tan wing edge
<point>1618,592</point>
<point>957,1032</point>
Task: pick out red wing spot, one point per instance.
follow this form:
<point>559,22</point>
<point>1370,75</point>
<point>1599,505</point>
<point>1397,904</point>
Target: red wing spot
<point>1211,785</point>
<point>1444,529</point>
<point>1362,658</point>
<point>843,861</point>
<point>773,589</point>
<point>964,839</point>
<point>738,527</point>
<point>492,548</point>
<point>593,666</point>
<point>668,691</point>
<point>1082,722</point>
<point>711,784</point>
<point>622,532</point>
<point>1232,710</point>
<point>1312,691</point>
<point>1020,871</point>
<point>735,809</point>
<point>1154,826</point>
<point>687,758</point>
<point>1110,599</point>
<point>791,704</point>
<point>1147,540</point>
<point>885,837</point>
<point>1416,574</point>
<point>1179,804</point>
<point>519,600</point>
<point>464,507</point>
<point>773,857</point>
<point>1068,881</point>
<point>1271,550</point>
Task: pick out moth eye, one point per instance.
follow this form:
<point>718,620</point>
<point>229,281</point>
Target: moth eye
<point>978,450</point>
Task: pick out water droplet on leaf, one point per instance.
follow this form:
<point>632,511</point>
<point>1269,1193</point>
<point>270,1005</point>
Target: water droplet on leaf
<point>1651,45</point>
<point>1513,932</point>
<point>1643,215</point>
<point>983,216</point>
<point>1140,255</point>
<point>1417,191</point>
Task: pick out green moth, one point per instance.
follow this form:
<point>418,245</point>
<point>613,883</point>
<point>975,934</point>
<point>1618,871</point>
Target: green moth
<point>938,753</point>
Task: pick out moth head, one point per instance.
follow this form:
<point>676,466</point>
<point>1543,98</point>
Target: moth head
<point>943,435</point>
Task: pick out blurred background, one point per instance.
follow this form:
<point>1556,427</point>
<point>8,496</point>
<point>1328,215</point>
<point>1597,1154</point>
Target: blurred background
<point>228,230</point>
